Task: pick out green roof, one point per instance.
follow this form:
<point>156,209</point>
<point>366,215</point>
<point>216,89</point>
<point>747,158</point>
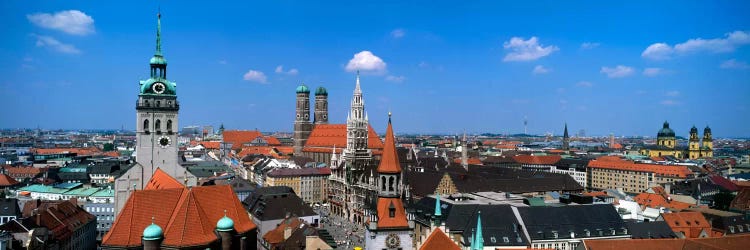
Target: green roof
<point>303,89</point>
<point>82,191</point>
<point>146,86</point>
<point>321,91</point>
<point>152,232</point>
<point>225,224</point>
<point>38,188</point>
<point>158,60</point>
<point>73,170</point>
<point>107,192</point>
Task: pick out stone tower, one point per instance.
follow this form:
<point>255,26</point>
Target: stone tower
<point>708,143</point>
<point>321,106</point>
<point>302,125</point>
<point>157,117</point>
<point>356,128</point>
<point>694,144</point>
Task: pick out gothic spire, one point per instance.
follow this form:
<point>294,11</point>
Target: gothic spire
<point>357,90</point>
<point>478,240</point>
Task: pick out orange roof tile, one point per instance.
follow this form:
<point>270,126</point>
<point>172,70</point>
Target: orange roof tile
<point>210,144</point>
<point>162,180</point>
<point>537,159</point>
<point>187,216</point>
<point>595,194</point>
<point>471,161</point>
<point>657,200</point>
<point>276,235</point>
<point>438,240</point>
<point>691,224</point>
<point>327,135</point>
<point>727,242</point>
<point>272,141</point>
<point>614,162</point>
<point>384,218</point>
<point>7,181</point>
<point>389,163</point>
<point>77,151</point>
<point>239,137</point>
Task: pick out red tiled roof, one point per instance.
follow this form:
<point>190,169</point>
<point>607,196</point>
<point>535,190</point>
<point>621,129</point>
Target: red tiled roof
<point>389,163</point>
<point>276,235</point>
<point>272,141</point>
<point>537,159</point>
<point>742,201</point>
<point>691,224</point>
<point>614,162</point>
<point>724,183</point>
<point>470,161</point>
<point>77,151</point>
<point>657,200</point>
<point>239,137</point>
<point>24,170</point>
<point>438,240</point>
<point>112,154</point>
<point>187,216</point>
<point>728,242</point>
<point>210,144</point>
<point>280,172</point>
<point>595,194</point>
<point>60,217</point>
<point>162,180</point>
<point>327,135</point>
<point>384,219</point>
<point>7,181</point>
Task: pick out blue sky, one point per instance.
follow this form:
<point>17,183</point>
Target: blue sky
<point>440,66</point>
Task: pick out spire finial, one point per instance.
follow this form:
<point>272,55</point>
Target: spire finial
<point>152,220</point>
<point>158,32</point>
<point>389,116</point>
<point>225,213</point>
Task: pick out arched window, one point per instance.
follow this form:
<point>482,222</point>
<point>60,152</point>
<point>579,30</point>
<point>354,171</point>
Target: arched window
<point>169,126</point>
<point>391,183</point>
<point>145,125</point>
<point>157,126</point>
<point>382,183</point>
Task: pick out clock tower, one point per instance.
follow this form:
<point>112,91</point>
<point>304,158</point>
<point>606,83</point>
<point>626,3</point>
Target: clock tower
<point>156,115</point>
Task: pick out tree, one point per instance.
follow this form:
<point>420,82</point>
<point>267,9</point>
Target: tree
<point>109,147</point>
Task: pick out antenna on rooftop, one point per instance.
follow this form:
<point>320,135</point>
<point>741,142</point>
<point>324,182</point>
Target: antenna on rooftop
<point>525,124</point>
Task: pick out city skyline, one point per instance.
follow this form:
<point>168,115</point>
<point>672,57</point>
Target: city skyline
<point>483,72</point>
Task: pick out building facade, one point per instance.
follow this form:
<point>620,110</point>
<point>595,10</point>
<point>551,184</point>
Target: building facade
<point>611,172</point>
<point>308,183</point>
<point>666,144</point>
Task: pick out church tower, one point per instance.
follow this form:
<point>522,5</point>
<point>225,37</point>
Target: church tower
<point>708,143</point>
<point>566,139</point>
<point>390,227</point>
<point>694,144</point>
<point>666,137</point>
<point>357,130</point>
<point>321,106</point>
<point>157,116</point>
<point>302,125</point>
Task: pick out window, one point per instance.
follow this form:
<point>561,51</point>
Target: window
<point>169,126</point>
<point>145,125</point>
<point>157,126</point>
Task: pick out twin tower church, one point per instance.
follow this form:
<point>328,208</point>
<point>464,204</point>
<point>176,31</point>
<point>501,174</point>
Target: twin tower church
<point>158,205</point>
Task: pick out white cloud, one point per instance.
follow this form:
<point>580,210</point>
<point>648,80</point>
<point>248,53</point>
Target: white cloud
<point>729,43</point>
<point>672,93</point>
<point>657,51</point>
<point>584,84</point>
<point>539,69</point>
<point>391,78</point>
<point>669,103</point>
<point>280,70</point>
<point>526,50</point>
<point>653,71</point>
<point>734,64</point>
<point>255,76</point>
<point>398,33</point>
<point>423,64</point>
<point>589,45</point>
<point>618,71</point>
<point>222,61</point>
<point>366,61</point>
<point>54,44</point>
<point>73,22</point>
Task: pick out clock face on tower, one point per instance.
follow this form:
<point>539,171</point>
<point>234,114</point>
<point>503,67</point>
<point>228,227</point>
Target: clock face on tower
<point>158,88</point>
<point>392,241</point>
<point>164,141</point>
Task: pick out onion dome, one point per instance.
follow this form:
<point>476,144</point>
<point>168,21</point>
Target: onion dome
<point>321,91</point>
<point>707,130</point>
<point>225,224</point>
<point>153,232</point>
<point>158,59</point>
<point>303,89</point>
<point>693,130</point>
<point>666,131</point>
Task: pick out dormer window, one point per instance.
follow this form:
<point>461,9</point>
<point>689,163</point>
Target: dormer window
<point>554,234</point>
<point>588,233</point>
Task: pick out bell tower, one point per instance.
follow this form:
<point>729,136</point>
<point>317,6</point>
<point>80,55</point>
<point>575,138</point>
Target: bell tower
<point>302,125</point>
<point>708,143</point>
<point>321,106</point>
<point>694,144</point>
<point>157,117</point>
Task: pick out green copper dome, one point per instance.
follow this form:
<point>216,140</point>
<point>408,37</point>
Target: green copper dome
<point>153,232</point>
<point>321,91</point>
<point>303,89</point>
<point>158,60</point>
<point>225,224</point>
<point>666,131</point>
<point>147,87</point>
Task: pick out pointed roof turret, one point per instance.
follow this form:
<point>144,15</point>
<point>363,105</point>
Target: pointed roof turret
<point>438,210</point>
<point>158,58</point>
<point>389,163</point>
<point>478,240</point>
<point>565,134</point>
